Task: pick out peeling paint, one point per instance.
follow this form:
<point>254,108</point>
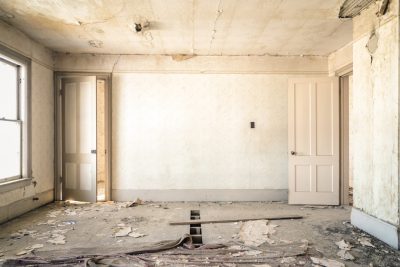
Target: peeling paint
<point>372,44</point>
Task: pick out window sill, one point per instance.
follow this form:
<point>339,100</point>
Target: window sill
<point>15,184</point>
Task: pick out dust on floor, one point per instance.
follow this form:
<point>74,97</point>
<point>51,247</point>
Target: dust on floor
<point>324,237</point>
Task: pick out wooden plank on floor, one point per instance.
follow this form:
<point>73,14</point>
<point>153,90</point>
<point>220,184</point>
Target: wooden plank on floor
<point>283,217</point>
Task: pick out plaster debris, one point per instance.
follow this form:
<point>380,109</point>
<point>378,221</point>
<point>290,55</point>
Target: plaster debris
<point>343,245</point>
<point>70,212</point>
<point>288,260</point>
<point>252,252</point>
<point>35,246</point>
<point>21,233</point>
<point>57,239</point>
<point>135,203</point>
<point>54,213</point>
<point>136,234</point>
<point>48,222</point>
<point>345,255</point>
<point>124,231</point>
<point>255,233</point>
<point>365,241</point>
<point>22,252</point>
<point>326,262</point>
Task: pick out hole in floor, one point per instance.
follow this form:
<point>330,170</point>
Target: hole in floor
<point>195,229</point>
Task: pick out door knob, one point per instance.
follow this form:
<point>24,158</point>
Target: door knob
<point>293,153</point>
<point>93,151</point>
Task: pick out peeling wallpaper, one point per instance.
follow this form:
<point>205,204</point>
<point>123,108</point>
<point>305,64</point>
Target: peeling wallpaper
<point>374,124</point>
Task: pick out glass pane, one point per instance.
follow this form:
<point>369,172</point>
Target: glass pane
<point>8,91</point>
<point>10,149</point>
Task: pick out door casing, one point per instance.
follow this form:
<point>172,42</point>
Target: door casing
<point>58,148</point>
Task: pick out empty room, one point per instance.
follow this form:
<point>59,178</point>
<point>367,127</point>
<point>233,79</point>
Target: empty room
<point>199,133</point>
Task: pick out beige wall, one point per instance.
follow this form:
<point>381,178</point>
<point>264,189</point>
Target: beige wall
<point>374,114</point>
<point>18,201</point>
<point>186,124</point>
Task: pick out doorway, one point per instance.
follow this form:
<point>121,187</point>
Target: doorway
<point>82,131</point>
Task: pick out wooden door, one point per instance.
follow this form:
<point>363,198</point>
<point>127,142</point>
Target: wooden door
<point>314,141</point>
<point>79,138</point>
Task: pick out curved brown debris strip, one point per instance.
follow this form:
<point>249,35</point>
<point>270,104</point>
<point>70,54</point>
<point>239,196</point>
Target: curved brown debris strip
<point>179,252</point>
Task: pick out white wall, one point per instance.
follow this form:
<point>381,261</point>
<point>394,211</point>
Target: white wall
<point>374,114</point>
<point>18,201</point>
<point>192,131</point>
<point>183,127</point>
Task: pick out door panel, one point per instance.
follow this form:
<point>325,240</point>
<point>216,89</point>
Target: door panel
<point>314,141</point>
<point>79,138</point>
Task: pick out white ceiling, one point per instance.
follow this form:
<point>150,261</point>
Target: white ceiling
<point>202,27</point>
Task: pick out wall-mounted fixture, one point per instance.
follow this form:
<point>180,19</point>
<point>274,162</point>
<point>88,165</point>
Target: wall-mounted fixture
<point>252,124</point>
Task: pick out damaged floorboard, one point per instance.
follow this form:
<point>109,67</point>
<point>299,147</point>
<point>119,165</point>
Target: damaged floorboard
<point>109,233</point>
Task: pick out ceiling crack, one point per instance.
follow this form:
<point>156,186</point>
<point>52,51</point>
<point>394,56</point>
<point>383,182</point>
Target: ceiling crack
<point>214,31</point>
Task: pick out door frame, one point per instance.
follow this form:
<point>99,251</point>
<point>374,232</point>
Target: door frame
<point>344,133</point>
<point>58,129</point>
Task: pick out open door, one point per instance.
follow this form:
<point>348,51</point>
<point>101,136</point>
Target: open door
<point>79,138</point>
<point>314,141</point>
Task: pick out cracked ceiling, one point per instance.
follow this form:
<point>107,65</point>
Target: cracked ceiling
<point>200,27</point>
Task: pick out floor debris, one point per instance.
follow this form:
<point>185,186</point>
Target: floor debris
<point>330,236</point>
<point>343,245</point>
<point>123,231</point>
<point>255,233</point>
<point>288,260</point>
<point>345,255</point>
<point>365,241</point>
<point>326,262</point>
<point>136,234</point>
<point>135,203</point>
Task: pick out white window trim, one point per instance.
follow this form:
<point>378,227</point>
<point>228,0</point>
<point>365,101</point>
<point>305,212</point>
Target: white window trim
<point>24,65</point>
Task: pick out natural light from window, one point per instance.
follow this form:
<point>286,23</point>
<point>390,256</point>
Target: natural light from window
<point>10,124</point>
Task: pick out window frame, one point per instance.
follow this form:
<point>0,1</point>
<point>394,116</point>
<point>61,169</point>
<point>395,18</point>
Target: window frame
<point>23,65</point>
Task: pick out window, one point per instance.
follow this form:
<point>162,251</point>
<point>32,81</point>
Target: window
<point>12,120</point>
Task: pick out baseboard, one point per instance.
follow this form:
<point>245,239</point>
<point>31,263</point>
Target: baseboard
<point>384,231</point>
<point>24,205</point>
<point>201,195</point>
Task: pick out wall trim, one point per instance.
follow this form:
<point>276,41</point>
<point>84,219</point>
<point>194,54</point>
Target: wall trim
<point>384,231</point>
<point>200,194</point>
<point>25,205</point>
<point>295,65</point>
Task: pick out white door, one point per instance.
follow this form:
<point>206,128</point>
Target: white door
<point>314,141</point>
<point>79,138</point>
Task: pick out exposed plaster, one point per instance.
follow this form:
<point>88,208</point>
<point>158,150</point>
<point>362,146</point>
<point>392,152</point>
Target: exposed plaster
<point>372,44</point>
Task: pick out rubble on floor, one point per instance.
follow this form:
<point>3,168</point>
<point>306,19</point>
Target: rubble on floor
<point>75,234</point>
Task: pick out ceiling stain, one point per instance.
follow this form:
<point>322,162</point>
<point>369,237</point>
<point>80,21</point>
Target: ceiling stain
<point>203,27</point>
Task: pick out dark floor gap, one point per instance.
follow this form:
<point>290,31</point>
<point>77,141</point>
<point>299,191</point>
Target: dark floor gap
<point>195,229</point>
